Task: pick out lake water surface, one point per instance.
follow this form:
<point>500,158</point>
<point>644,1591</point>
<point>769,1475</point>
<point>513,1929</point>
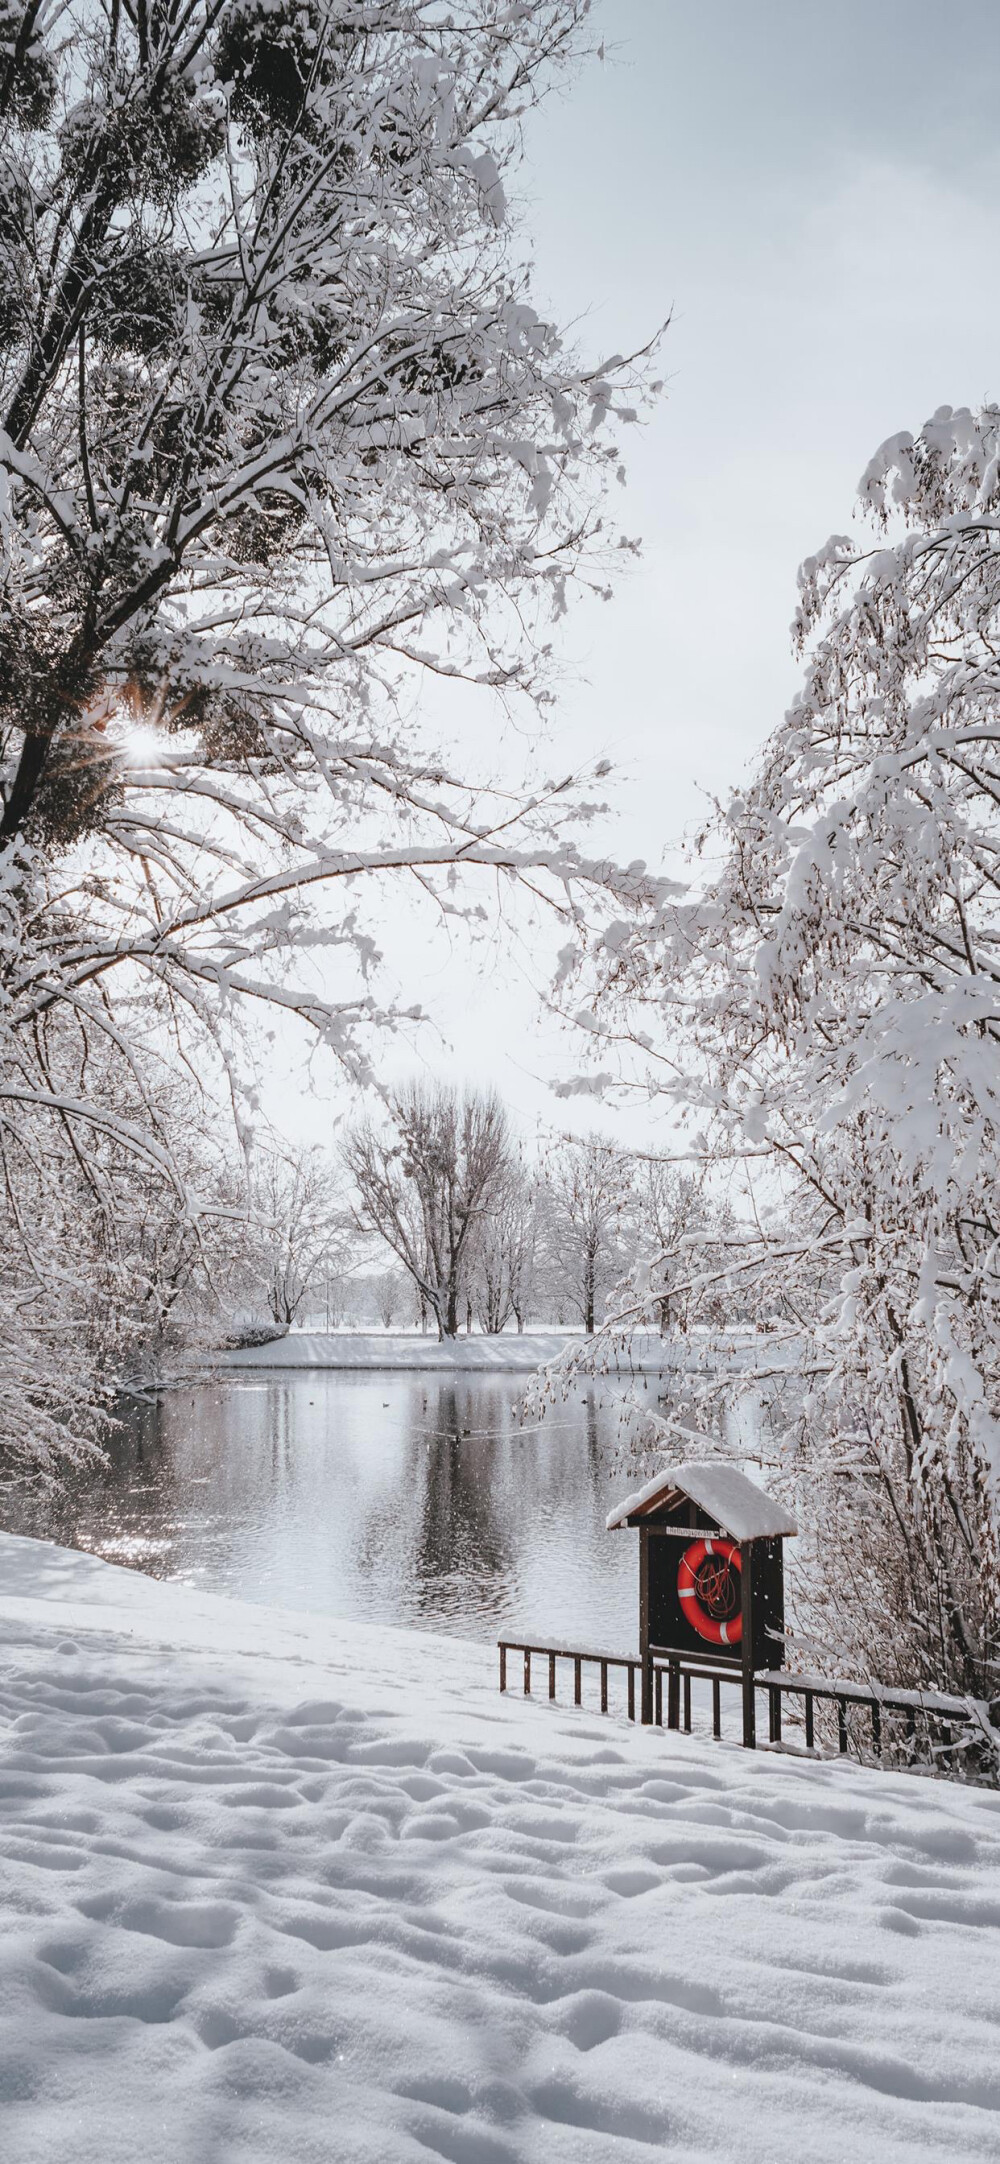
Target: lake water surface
<point>401,1498</point>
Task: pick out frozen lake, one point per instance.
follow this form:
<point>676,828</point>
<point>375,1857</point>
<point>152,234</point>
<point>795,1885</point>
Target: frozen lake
<point>401,1497</point>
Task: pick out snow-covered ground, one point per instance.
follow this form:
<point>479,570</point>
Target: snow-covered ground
<point>276,1888</point>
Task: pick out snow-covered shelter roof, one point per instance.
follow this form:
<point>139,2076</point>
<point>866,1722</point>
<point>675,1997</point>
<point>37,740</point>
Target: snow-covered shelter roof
<point>737,1506</point>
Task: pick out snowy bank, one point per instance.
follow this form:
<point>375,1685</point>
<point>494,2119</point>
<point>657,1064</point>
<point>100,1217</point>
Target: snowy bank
<point>280,1889</point>
<point>646,1354</point>
<point>386,1350</point>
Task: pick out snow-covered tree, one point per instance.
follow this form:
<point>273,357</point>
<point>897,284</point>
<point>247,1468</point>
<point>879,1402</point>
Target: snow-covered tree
<point>280,433</point>
<point>52,1313</point>
<point>298,1228</point>
<point>103,1265</point>
<point>670,1209</point>
<point>391,1293</point>
<point>838,988</point>
<point>504,1265</point>
<point>425,1182</point>
<point>584,1202</point>
<point>280,428</point>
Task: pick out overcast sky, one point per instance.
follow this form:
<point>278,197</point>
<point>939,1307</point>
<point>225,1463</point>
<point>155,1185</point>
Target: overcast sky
<point>811,192</point>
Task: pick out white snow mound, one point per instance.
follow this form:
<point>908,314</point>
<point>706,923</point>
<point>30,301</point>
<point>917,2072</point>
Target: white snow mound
<point>279,1891</point>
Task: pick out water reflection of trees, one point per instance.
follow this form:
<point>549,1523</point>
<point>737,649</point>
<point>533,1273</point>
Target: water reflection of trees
<point>452,1461</point>
<point>177,1469</point>
<point>489,1492</point>
<point>116,1504</point>
<point>401,1498</point>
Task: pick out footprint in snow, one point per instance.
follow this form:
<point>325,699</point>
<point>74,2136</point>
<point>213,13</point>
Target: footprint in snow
<point>264,1796</point>
<point>166,1817</point>
<point>551,1901</point>
<point>590,2018</point>
<point>628,1883</point>
<point>177,1923</point>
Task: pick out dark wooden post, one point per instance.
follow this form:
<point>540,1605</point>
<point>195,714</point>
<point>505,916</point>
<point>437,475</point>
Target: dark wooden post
<point>673,1695</point>
<point>776,1658</point>
<point>746,1645</point>
<point>644,1652</point>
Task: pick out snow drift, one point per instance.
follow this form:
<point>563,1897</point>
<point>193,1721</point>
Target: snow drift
<point>274,1888</point>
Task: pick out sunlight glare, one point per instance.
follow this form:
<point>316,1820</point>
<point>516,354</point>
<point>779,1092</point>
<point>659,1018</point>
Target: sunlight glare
<point>142,745</point>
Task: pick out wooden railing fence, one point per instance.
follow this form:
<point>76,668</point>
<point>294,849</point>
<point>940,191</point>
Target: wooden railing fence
<point>552,1654</point>
<point>943,1713</point>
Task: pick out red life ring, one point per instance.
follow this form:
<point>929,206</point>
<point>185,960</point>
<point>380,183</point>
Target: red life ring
<point>708,1592</point>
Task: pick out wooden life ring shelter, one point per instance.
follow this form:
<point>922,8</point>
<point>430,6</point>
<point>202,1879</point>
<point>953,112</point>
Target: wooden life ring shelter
<point>711,1580</point>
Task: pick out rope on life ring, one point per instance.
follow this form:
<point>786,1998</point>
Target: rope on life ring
<point>709,1594</point>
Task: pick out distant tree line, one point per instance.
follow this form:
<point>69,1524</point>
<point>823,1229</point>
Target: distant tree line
<point>435,1214</point>
<point>489,1235</point>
